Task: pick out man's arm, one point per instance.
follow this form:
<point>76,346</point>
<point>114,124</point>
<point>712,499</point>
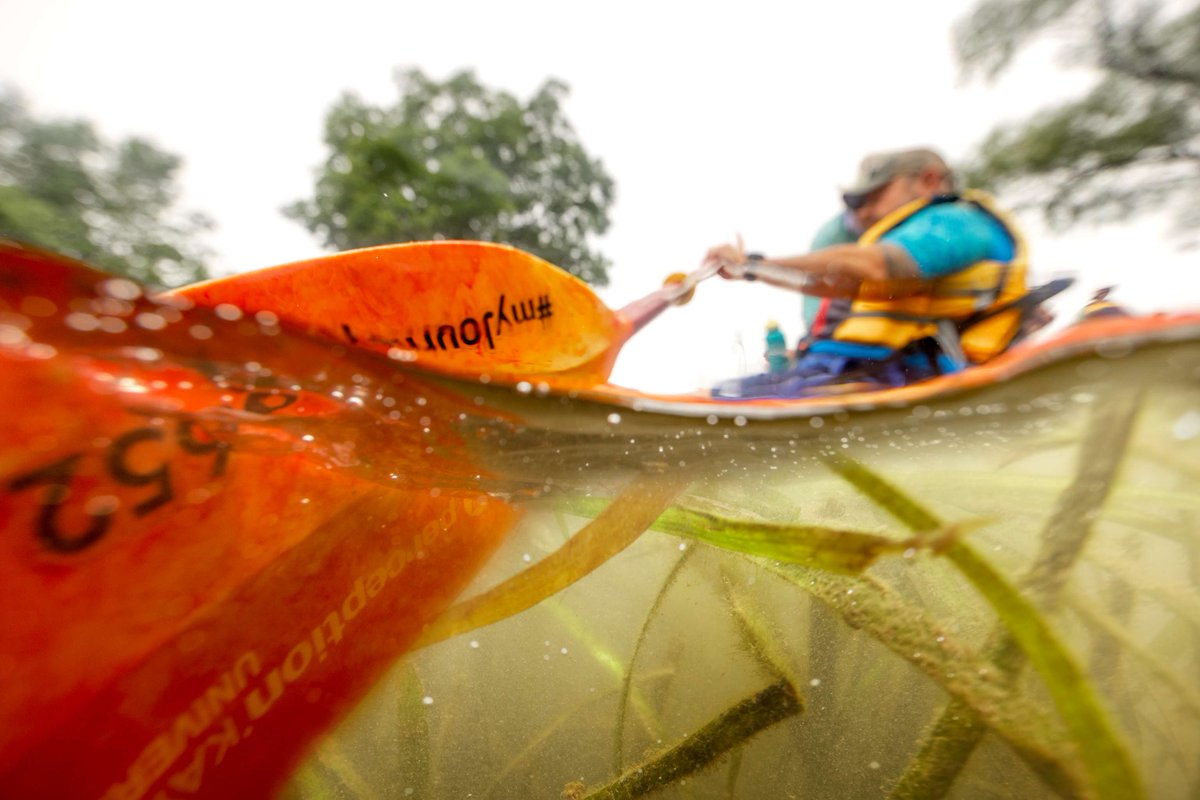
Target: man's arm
<point>836,271</point>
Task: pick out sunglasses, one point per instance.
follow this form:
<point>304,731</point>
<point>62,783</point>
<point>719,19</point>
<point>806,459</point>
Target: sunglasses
<point>855,201</point>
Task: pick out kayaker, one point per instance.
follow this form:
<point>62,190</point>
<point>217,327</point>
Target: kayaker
<point>924,290</point>
<point>843,228</point>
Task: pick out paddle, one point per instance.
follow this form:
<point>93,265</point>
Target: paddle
<point>464,308</point>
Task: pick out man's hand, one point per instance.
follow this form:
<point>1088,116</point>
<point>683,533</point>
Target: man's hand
<point>731,257</point>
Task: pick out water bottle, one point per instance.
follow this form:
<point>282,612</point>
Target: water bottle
<point>777,352</point>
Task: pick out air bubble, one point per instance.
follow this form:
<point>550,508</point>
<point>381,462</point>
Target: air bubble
<point>149,321</point>
<point>10,335</point>
<point>121,289</point>
<point>81,321</point>
<point>228,312</point>
<point>1187,426</point>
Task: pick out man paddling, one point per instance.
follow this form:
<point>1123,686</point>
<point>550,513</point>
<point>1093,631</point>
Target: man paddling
<point>926,289</point>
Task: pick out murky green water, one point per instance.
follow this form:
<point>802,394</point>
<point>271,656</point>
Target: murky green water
<point>1065,665</point>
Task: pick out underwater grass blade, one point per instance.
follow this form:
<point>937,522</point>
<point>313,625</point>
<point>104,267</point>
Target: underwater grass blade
<point>1071,523</point>
<point>732,728</point>
<point>835,549</point>
<point>578,630</point>
<point>1111,770</point>
<point>413,737</point>
<point>954,735</point>
<point>914,516</point>
<point>627,682</point>
<point>329,773</point>
<point>390,732</point>
<point>757,640</point>
<point>765,650</point>
<point>546,735</point>
<point>1109,764</point>
<point>614,529</point>
<point>1175,597</point>
<point>735,769</point>
<point>1187,694</point>
<point>900,626</point>
<point>838,550</point>
<point>629,694</point>
<point>905,629</point>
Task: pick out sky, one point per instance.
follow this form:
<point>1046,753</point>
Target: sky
<point>713,119</point>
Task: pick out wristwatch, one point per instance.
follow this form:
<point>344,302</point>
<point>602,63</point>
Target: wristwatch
<point>750,273</point>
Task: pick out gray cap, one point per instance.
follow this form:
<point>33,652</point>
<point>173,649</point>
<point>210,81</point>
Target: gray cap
<point>878,169</point>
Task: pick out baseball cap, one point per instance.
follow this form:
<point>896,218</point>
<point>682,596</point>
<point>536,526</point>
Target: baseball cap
<point>877,169</point>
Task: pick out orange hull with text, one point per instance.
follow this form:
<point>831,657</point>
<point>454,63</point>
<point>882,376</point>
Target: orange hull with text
<point>204,563</point>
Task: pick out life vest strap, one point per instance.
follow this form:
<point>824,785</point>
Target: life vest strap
<point>948,340</point>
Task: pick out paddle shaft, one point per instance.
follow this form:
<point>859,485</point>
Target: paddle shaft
<point>640,312</point>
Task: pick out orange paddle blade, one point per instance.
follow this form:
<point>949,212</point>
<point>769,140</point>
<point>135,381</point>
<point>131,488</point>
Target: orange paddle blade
<point>216,535</point>
<point>463,308</point>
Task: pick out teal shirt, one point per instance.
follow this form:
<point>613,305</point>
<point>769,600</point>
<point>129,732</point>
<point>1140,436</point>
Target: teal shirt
<point>947,237</point>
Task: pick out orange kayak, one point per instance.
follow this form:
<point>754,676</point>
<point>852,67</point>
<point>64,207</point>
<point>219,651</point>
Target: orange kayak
<point>228,509</point>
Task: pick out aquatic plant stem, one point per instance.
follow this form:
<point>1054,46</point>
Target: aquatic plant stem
<point>732,728</point>
<point>866,604</point>
<point>956,733</point>
<point>1186,693</point>
<point>758,641</point>
<point>834,549</point>
<point>547,735</point>
<point>1113,773</point>
<point>608,660</point>
<point>617,527</point>
<point>905,629</point>
<point>1027,635</point>
<point>627,681</point>
<point>762,646</point>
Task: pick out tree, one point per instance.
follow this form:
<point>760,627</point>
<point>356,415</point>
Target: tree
<point>63,188</point>
<point>456,160</point>
<point>1129,145</point>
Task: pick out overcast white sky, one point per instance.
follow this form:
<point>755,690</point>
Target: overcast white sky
<point>712,118</point>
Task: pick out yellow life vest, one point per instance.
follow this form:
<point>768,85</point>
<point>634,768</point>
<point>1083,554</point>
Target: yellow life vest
<point>939,306</point>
